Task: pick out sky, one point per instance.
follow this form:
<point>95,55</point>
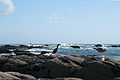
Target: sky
<point>59,21</point>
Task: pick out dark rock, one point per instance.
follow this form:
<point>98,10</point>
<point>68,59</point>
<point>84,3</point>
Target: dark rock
<point>44,52</point>
<point>75,66</point>
<point>101,50</point>
<point>75,47</point>
<point>60,79</point>
<point>114,46</point>
<point>4,50</point>
<point>98,45</point>
<point>21,76</point>
<point>23,46</point>
<point>17,52</point>
<point>9,47</point>
<point>118,78</point>
<point>97,70</point>
<point>46,45</point>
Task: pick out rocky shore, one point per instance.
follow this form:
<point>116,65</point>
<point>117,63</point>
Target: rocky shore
<point>75,67</point>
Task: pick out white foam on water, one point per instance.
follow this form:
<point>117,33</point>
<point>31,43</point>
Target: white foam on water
<point>36,49</point>
<point>35,53</point>
<point>7,54</point>
<point>63,44</point>
<point>48,54</point>
<point>33,49</point>
<point>36,45</point>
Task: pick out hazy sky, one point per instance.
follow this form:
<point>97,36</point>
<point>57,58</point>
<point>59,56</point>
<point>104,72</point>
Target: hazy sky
<point>59,21</point>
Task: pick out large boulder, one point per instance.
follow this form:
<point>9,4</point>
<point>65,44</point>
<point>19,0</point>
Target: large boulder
<point>56,66</point>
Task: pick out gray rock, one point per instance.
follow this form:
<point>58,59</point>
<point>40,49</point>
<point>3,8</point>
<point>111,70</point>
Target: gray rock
<point>75,66</point>
<point>15,75</point>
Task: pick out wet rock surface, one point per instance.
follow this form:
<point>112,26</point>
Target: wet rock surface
<point>56,66</point>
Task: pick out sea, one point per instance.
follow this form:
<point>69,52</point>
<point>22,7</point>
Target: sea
<point>85,49</point>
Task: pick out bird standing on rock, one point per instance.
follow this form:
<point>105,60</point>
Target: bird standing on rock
<point>54,51</point>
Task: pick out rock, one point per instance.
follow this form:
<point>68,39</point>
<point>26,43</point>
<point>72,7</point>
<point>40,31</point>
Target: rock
<point>14,75</point>
<point>101,50</point>
<point>60,79</point>
<point>46,45</point>
<point>23,53</point>
<point>78,47</point>
<point>4,50</point>
<point>114,46</point>
<point>98,45</point>
<point>23,46</point>
<point>9,47</point>
<point>73,66</point>
<point>97,70</point>
<point>7,76</point>
<point>44,52</point>
<point>118,78</point>
<point>21,76</point>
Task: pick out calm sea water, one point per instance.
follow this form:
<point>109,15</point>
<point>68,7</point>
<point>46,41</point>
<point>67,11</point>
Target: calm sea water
<point>86,49</point>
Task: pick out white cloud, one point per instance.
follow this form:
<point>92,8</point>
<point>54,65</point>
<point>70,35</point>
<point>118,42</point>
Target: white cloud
<point>6,7</point>
<point>55,19</point>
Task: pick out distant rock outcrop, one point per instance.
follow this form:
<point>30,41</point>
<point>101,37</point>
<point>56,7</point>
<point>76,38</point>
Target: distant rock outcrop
<point>78,47</point>
<point>114,46</point>
<point>98,45</point>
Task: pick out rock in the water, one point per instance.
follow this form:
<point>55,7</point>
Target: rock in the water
<point>114,46</point>
<point>98,45</point>
<point>78,47</point>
